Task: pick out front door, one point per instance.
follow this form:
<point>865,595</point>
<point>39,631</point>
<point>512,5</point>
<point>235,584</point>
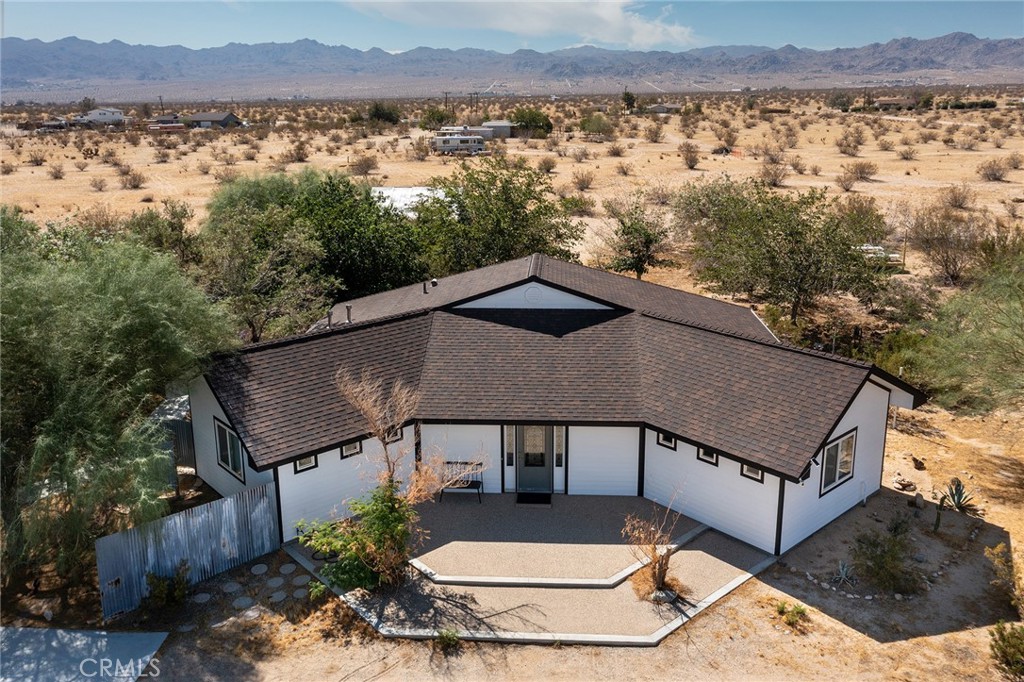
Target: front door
<point>533,470</point>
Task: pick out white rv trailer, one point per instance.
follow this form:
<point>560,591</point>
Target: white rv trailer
<point>457,144</point>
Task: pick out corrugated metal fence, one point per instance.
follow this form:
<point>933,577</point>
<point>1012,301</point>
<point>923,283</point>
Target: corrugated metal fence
<point>213,538</point>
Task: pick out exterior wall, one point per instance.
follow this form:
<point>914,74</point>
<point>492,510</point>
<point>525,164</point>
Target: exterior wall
<point>466,443</point>
<point>324,491</point>
<point>533,295</point>
<point>805,509</point>
<point>204,409</point>
<point>603,460</point>
<point>715,495</point>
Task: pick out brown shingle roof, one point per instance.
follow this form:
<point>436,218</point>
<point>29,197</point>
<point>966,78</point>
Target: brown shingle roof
<point>745,395</point>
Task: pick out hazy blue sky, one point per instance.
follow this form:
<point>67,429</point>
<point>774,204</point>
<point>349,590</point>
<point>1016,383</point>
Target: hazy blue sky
<point>397,25</point>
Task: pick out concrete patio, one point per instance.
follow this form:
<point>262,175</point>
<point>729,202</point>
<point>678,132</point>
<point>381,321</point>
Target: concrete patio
<point>495,571</point>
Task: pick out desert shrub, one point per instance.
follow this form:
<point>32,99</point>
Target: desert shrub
<point>203,167</point>
<point>882,557</point>
<point>616,149</point>
<point>904,302</point>
<point>384,113</point>
<point>162,156</point>
<point>886,145</point>
<point>863,171</point>
<point>623,168</point>
<point>165,591</point>
<point>796,616</point>
<point>846,180</point>
<point>1009,574</point>
<point>950,239</point>
<point>773,174</point>
<point>81,165</point>
<point>958,196</point>
<point>797,164</point>
<point>579,154</point>
<point>654,133</point>
<point>133,179</point>
<point>98,184</point>
<point>364,164</point>
<point>957,497</point>
<point>6,167</point>
<point>815,169</point>
<point>133,138</point>
<point>849,143</point>
<point>993,170</point>
<point>907,154</point>
<point>37,157</point>
<point>1007,647</point>
<point>582,180</point>
<point>447,641</point>
<point>250,154</point>
<point>546,164</point>
<point>691,154</point>
<point>55,171</point>
<point>419,150</point>
<point>1014,160</point>
<point>578,205</point>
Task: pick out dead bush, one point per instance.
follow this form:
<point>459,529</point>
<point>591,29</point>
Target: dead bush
<point>773,174</point>
<point>691,154</point>
<point>907,154</point>
<point>81,165</point>
<point>36,157</point>
<point>364,164</point>
<point>582,180</point>
<point>993,170</point>
<point>958,196</point>
<point>98,184</point>
<point>863,171</point>
<point>623,168</point>
<point>546,164</point>
<point>133,179</point>
<point>56,171</point>
<point>615,149</point>
<point>846,180</point>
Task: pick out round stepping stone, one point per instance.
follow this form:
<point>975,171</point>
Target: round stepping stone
<point>187,627</point>
<point>275,582</point>
<point>300,593</point>
<point>258,569</point>
<point>231,586</point>
<point>287,569</point>
<point>250,614</point>
<point>300,580</point>
<point>242,602</point>
<point>278,597</point>
<point>201,597</point>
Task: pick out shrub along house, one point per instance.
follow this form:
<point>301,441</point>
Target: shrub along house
<point>561,379</point>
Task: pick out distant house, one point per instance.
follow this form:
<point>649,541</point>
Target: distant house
<point>166,119</point>
<point>664,108</point>
<point>481,131</point>
<point>883,103</point>
<point>214,119</point>
<point>501,129</point>
<point>102,116</point>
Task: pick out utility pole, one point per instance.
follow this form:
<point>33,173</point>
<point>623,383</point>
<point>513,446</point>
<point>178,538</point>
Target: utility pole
<point>446,93</point>
<point>162,104</point>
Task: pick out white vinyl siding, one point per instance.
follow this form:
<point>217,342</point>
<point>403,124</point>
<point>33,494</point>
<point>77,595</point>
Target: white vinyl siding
<point>466,443</point>
<point>603,460</point>
<point>715,495</point>
<point>325,494</point>
<point>534,295</point>
<point>806,508</point>
<point>205,409</point>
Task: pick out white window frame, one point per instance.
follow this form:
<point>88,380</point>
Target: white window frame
<point>752,472</point>
<point>396,436</point>
<point>306,463</point>
<point>836,451</point>
<point>666,441</point>
<point>227,457</point>
<point>707,456</point>
<point>352,449</point>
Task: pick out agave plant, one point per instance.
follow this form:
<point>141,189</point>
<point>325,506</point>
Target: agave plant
<point>844,575</point>
<point>957,497</point>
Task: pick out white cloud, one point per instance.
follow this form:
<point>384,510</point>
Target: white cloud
<point>616,23</point>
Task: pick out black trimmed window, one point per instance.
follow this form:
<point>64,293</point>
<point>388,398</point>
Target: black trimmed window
<point>351,449</point>
<point>305,463</point>
<point>230,454</point>
<point>396,435</point>
<point>707,456</point>
<point>837,461</point>
<point>666,441</point>
<point>752,472</point>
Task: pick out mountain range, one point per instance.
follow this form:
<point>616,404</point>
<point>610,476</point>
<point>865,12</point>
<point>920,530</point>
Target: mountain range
<point>65,69</point>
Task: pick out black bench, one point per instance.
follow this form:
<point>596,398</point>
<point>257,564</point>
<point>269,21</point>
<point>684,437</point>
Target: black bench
<point>463,476</point>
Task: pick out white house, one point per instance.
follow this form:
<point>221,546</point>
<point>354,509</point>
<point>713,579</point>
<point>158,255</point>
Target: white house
<point>562,380</point>
<point>102,116</point>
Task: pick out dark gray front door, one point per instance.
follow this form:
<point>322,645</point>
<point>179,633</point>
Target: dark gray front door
<point>533,466</point>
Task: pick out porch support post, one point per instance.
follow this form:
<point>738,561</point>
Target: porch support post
<point>640,461</point>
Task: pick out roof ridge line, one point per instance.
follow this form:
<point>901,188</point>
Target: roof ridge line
<point>337,329</point>
<point>763,342</point>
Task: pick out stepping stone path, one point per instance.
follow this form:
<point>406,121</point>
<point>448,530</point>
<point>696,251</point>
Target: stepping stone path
<point>300,593</point>
<point>287,569</point>
<point>242,602</point>
<point>258,569</point>
<point>250,613</point>
<point>300,580</point>
<point>201,597</point>
<point>278,597</point>
<point>275,582</point>
<point>231,586</point>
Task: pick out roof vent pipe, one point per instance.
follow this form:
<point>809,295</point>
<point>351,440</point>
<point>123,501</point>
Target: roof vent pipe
<point>424,287</point>
<point>330,318</point>
<point>348,314</point>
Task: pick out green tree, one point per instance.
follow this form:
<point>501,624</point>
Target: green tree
<point>262,266</point>
<point>86,105</point>
<point>597,124</point>
<point>532,122</point>
<point>167,230</point>
<point>91,337</point>
<point>435,117</point>
<point>490,213</point>
<point>628,100</point>
<point>384,112</point>
<point>639,239</point>
<point>786,249</point>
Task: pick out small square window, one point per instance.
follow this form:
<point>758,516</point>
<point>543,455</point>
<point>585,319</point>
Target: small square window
<point>533,459</point>
<point>752,473</point>
<point>305,463</point>
<point>396,436</point>
<point>352,449</point>
<point>666,441</point>
<point>708,456</point>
